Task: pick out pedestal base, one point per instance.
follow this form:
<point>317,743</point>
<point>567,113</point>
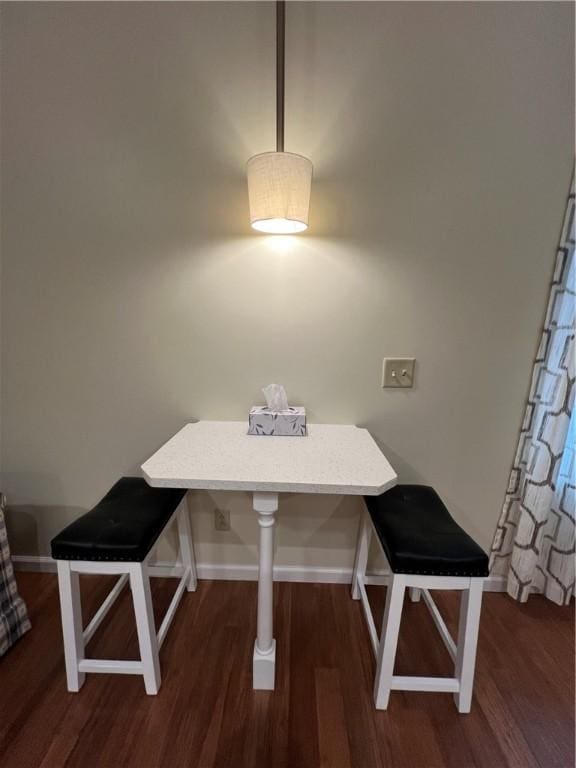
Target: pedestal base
<point>263,668</point>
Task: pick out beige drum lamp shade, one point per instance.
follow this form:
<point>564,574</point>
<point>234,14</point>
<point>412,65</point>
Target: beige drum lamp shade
<point>279,192</point>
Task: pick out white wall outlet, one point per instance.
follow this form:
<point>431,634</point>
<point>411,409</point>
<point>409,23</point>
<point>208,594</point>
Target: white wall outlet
<point>398,372</point>
<point>222,519</point>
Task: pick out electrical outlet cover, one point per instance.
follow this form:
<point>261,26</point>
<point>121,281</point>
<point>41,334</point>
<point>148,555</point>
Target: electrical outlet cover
<point>222,519</point>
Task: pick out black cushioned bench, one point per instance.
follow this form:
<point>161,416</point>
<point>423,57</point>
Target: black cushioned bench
<point>118,536</point>
<point>123,527</point>
<point>419,535</point>
<point>425,549</point>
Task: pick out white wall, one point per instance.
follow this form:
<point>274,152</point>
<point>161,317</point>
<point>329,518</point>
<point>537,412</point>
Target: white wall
<point>135,296</point>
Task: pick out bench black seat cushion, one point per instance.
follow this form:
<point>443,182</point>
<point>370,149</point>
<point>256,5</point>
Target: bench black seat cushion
<point>121,527</point>
<point>419,535</point>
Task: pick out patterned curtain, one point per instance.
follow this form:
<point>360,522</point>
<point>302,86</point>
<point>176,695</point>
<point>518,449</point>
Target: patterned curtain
<point>534,541</point>
<point>14,620</point>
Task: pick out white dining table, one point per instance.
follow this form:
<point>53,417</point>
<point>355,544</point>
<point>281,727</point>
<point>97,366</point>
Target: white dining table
<point>220,455</point>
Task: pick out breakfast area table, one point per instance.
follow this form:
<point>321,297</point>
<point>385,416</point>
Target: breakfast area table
<point>220,455</point>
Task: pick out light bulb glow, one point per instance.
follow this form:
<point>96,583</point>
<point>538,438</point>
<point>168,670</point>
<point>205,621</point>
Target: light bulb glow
<point>279,226</point>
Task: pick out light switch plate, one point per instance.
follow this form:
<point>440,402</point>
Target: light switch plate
<point>398,372</point>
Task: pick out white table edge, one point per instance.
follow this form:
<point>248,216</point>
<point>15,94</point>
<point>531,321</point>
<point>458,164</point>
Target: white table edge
<point>267,487</point>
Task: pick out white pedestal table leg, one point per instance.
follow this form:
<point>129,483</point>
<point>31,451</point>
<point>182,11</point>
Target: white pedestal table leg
<point>264,660</point>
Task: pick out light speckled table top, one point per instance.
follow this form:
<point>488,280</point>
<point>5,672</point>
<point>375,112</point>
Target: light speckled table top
<point>220,455</point>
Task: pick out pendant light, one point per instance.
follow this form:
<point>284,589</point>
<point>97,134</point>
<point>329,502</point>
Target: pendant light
<point>279,182</point>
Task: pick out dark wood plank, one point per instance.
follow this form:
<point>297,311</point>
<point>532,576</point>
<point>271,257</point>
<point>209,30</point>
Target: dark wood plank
<point>334,747</point>
<point>321,713</point>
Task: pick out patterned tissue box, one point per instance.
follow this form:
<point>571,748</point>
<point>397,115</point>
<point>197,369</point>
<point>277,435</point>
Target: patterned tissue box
<point>263,421</point>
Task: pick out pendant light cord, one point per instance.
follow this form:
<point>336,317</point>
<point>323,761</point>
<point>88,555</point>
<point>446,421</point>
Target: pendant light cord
<point>280,38</point>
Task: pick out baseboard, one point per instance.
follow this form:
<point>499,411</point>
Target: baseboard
<point>224,572</point>
<point>495,584</point>
<point>39,563</point>
<point>308,574</point>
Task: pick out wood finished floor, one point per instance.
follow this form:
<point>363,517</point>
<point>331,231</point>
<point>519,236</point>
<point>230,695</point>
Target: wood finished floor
<point>206,714</point>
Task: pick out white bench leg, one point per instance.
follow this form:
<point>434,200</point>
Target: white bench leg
<point>71,612</point>
<point>362,548</point>
<point>186,545</point>
<point>389,640</point>
<point>144,613</point>
<point>469,623</point>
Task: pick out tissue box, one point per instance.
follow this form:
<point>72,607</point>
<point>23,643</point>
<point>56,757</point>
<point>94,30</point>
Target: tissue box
<point>263,421</point>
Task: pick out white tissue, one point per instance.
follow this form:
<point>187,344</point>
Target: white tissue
<point>276,398</point>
